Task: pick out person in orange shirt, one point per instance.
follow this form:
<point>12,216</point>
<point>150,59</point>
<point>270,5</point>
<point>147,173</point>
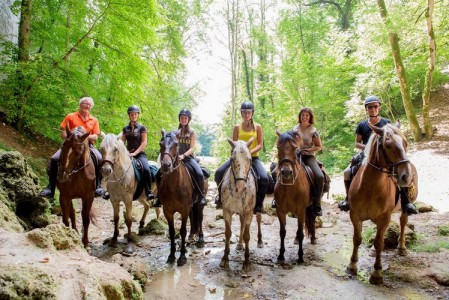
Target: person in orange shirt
<point>83,118</point>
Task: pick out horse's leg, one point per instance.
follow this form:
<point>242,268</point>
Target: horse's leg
<point>72,215</point>
<point>85,213</point>
<point>356,241</point>
<point>376,277</point>
<point>200,243</point>
<point>402,250</point>
<point>239,246</point>
<point>171,232</point>
<point>259,230</point>
<point>146,208</point>
<point>116,207</point>
<point>225,259</point>
<point>129,222</point>
<point>158,213</point>
<point>193,223</point>
<point>310,225</point>
<point>65,208</point>
<point>282,221</point>
<point>300,237</point>
<point>246,238</point>
<point>182,260</point>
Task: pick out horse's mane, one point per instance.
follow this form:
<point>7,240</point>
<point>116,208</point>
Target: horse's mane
<point>111,140</point>
<point>287,136</point>
<point>388,129</point>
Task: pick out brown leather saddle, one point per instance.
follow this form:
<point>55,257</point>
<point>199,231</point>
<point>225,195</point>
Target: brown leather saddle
<point>311,178</point>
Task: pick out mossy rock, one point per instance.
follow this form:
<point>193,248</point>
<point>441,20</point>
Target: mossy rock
<point>423,207</point>
<point>443,230</point>
<point>392,235</point>
<point>155,226</point>
<point>55,236</point>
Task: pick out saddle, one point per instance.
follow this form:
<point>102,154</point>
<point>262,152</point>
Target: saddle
<point>138,171</point>
<point>311,178</point>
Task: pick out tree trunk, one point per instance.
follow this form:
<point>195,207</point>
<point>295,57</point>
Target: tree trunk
<point>23,59</point>
<point>429,74</point>
<point>232,19</point>
<point>400,71</point>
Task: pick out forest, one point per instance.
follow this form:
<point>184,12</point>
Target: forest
<point>281,55</point>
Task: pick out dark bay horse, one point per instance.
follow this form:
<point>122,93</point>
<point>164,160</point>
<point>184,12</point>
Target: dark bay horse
<point>176,193</point>
<point>118,171</point>
<point>76,178</point>
<point>238,197</point>
<point>373,191</point>
<point>292,192</point>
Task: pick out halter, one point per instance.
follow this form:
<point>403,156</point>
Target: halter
<point>245,179</point>
<point>74,169</point>
<point>174,161</point>
<point>294,165</point>
<point>390,169</point>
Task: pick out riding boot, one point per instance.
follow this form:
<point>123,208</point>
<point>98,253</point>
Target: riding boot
<point>218,198</point>
<point>149,192</point>
<point>407,207</point>
<point>344,205</point>
<point>317,212</point>
<point>147,184</point>
<point>201,199</point>
<point>273,203</point>
<point>157,201</point>
<point>259,204</point>
<point>49,190</point>
<point>99,190</point>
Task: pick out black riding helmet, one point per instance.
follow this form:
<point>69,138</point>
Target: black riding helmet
<point>372,99</point>
<point>247,105</point>
<point>133,109</point>
<point>185,112</point>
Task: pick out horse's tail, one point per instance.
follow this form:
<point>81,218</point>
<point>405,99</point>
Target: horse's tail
<point>93,216</point>
<point>310,222</point>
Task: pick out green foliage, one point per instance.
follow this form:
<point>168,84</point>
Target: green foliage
<point>443,230</point>
<point>429,246</point>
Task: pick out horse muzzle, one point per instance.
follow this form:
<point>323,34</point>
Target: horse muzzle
<point>286,173</point>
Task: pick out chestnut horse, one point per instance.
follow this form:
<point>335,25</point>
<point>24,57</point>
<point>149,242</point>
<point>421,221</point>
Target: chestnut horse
<point>176,192</point>
<point>118,172</point>
<point>292,192</point>
<point>76,178</point>
<point>238,196</point>
<point>373,191</point>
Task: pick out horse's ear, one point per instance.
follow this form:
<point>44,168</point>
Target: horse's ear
<point>163,132</point>
<point>397,124</point>
<point>84,136</point>
<point>248,143</point>
<point>376,129</point>
<point>231,142</point>
<point>67,130</point>
<point>278,132</point>
<point>119,136</point>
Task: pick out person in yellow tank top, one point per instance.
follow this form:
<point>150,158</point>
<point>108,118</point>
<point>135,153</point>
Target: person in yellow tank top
<point>244,131</point>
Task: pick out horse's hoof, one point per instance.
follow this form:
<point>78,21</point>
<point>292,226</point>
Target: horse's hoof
<point>313,241</point>
<point>171,259</point>
<point>224,264</point>
<point>182,261</point>
<point>281,259</point>
<point>113,243</point>
<point>191,238</point>
<point>296,242</point>
<point>402,251</point>
<point>300,261</point>
<point>239,247</point>
<point>376,280</point>
<point>129,251</point>
<point>351,270</point>
<point>246,267</point>
<point>259,245</point>
<point>200,244</point>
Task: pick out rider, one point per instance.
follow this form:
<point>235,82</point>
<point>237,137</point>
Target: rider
<point>135,137</point>
<point>83,118</point>
<point>245,131</point>
<point>363,133</point>
<point>187,140</point>
<point>311,145</point>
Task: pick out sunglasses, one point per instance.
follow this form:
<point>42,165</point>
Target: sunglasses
<point>373,106</point>
<point>246,111</point>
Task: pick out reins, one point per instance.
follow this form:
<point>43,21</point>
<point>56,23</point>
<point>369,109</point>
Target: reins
<point>390,169</point>
<point>295,166</point>
<point>113,173</point>
<point>74,169</point>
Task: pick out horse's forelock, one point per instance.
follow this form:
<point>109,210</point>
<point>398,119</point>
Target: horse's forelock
<point>111,141</point>
<point>286,137</point>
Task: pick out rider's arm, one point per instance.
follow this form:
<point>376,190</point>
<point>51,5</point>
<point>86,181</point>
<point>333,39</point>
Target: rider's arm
<point>143,144</point>
<point>358,142</point>
<point>259,139</point>
<point>235,133</point>
<point>316,144</point>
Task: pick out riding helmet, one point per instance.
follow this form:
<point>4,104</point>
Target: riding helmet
<point>372,99</point>
<point>133,109</point>
<point>247,105</point>
<point>185,112</point>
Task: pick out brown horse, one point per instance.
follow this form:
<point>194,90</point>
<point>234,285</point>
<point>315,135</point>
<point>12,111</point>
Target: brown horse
<point>76,178</point>
<point>176,193</point>
<point>292,192</point>
<point>373,192</point>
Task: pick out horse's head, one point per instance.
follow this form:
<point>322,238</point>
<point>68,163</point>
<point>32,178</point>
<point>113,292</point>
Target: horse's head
<point>74,151</point>
<point>168,151</point>
<point>387,150</point>
<point>240,162</point>
<point>287,143</point>
<point>113,151</point>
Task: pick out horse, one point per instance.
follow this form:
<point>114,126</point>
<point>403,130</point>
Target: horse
<point>373,192</point>
<point>76,178</point>
<point>293,192</point>
<point>176,193</point>
<point>118,172</point>
<point>238,196</point>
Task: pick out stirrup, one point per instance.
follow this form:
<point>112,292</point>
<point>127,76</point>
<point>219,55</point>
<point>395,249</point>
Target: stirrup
<point>410,209</point>
<point>46,193</point>
<point>157,202</point>
<point>344,205</point>
<point>150,195</point>
<point>106,195</point>
<point>99,191</point>
<point>218,203</point>
<point>273,203</point>
<point>317,212</point>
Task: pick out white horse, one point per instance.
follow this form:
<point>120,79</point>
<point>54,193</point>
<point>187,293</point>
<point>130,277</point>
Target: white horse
<point>118,172</point>
<point>238,196</point>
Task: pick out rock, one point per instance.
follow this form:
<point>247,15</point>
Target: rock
<point>19,192</point>
<point>155,226</point>
<point>56,237</point>
<point>423,207</point>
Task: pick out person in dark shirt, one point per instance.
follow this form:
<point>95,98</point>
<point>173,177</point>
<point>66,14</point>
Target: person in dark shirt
<point>135,138</point>
<point>363,133</point>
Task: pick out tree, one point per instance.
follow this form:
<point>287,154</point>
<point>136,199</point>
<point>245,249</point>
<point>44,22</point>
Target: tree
<point>429,74</point>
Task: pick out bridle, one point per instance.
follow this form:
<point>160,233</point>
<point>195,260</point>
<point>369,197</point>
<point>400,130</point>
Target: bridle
<point>112,163</point>
<point>75,169</point>
<point>174,160</point>
<point>245,178</point>
<point>294,164</point>
<point>391,166</point>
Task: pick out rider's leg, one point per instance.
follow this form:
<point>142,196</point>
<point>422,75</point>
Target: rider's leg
<point>407,207</point>
<point>262,184</point>
<point>310,160</point>
<point>158,203</point>
<point>347,177</point>
<point>98,189</point>
<point>52,170</point>
<point>219,173</point>
<point>274,176</point>
<point>146,175</point>
<point>199,181</point>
